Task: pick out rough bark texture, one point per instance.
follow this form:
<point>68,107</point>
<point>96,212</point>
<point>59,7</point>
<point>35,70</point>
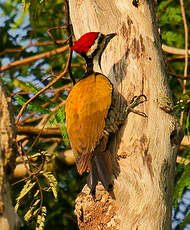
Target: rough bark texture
<point>8,218</point>
<point>146,148</point>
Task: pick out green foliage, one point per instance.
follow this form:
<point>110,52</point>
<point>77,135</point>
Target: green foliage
<point>172,30</point>
<point>36,185</point>
<point>25,29</point>
<point>182,102</point>
<point>170,22</point>
<point>59,119</point>
<point>182,184</point>
<point>171,37</point>
<point>32,211</point>
<point>52,182</point>
<point>172,15</point>
<point>27,187</point>
<point>33,106</point>
<point>41,219</point>
<point>184,223</point>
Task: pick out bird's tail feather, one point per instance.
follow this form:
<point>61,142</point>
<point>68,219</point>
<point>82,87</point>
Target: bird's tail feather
<point>100,170</point>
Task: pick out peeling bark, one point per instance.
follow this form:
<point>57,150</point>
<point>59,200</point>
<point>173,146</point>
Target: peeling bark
<point>8,218</point>
<point>98,213</point>
<point>145,149</point>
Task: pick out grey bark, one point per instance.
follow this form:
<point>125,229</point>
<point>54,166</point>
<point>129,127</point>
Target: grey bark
<point>145,149</point>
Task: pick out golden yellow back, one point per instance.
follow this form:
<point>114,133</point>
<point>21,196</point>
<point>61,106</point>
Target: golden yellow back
<point>86,109</point>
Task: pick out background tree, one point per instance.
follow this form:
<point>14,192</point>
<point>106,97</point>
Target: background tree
<point>25,44</point>
<point>8,217</point>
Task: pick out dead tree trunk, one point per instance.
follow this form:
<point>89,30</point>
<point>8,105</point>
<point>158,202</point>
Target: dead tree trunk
<point>146,148</point>
<point>8,218</point>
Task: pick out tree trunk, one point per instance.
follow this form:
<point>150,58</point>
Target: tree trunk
<point>8,218</point>
<point>146,148</point>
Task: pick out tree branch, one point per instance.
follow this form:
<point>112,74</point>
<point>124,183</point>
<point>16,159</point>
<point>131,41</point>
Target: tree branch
<point>179,76</point>
<point>34,58</point>
<point>173,50</point>
<point>186,39</point>
<point>186,53</point>
<point>30,45</point>
<point>33,131</point>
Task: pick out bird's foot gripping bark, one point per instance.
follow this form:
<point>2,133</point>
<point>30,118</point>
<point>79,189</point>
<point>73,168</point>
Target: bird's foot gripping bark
<point>136,101</point>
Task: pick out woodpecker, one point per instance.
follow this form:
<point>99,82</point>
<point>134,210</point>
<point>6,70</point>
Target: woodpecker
<point>92,113</point>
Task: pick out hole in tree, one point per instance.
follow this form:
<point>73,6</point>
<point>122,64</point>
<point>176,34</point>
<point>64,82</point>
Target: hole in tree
<point>110,187</point>
<point>135,3</point>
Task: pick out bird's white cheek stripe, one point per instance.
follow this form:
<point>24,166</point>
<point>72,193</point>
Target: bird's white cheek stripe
<point>94,46</point>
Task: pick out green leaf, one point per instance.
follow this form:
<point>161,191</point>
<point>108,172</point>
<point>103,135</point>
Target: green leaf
<point>32,106</point>
<point>171,37</point>
<point>37,193</point>
<point>41,219</point>
<point>25,190</point>
<point>52,121</point>
<point>30,212</point>
<point>182,184</point>
<point>171,15</point>
<point>162,5</point>
<point>61,114</point>
<point>65,135</point>
<point>57,118</point>
<point>21,100</point>
<point>184,223</point>
<point>29,87</point>
<point>52,182</point>
<point>42,153</point>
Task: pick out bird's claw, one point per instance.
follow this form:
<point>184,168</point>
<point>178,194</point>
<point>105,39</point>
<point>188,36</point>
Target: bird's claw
<point>138,100</point>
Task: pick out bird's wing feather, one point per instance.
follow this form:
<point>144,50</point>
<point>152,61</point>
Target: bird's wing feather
<point>86,110</point>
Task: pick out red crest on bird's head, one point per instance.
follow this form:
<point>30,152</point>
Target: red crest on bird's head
<point>85,42</point>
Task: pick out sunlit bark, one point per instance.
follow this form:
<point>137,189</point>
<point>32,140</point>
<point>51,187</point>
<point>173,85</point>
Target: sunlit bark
<point>146,148</point>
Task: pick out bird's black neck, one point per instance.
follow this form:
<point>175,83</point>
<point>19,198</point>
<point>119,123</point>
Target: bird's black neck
<point>93,65</point>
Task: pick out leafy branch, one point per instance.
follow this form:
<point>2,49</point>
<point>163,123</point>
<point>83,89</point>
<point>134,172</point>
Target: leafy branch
<point>33,185</point>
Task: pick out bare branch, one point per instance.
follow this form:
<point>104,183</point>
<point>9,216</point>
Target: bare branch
<point>33,131</point>
<point>30,45</point>
<point>186,52</point>
<point>173,50</point>
<point>179,76</point>
<point>34,58</point>
<point>186,38</point>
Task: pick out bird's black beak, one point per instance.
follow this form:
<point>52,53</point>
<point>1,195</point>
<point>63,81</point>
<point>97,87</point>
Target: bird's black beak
<point>110,36</point>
